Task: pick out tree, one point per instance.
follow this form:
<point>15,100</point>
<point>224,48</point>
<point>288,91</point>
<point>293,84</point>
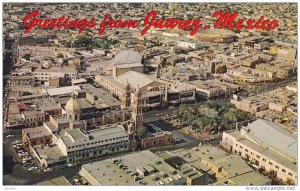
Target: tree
<point>236,31</point>
<point>213,105</point>
<point>60,55</point>
<point>26,93</point>
<point>26,56</point>
<point>191,119</point>
<point>183,107</point>
<point>142,131</point>
<point>231,116</point>
<point>264,34</point>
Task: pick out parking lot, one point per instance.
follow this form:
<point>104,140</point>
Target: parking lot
<point>24,157</point>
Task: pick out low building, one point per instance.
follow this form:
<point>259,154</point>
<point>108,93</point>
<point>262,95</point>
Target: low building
<point>267,146</point>
<point>36,136</point>
<point>157,139</point>
<point>49,107</point>
<point>284,52</point>
<point>59,181</point>
<point>47,74</point>
<point>79,146</point>
<point>61,90</point>
<point>138,168</point>
<point>33,118</point>
<point>49,156</point>
<point>211,165</point>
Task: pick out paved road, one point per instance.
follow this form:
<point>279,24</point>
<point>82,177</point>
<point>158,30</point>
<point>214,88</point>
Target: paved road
<point>185,140</point>
<point>151,115</point>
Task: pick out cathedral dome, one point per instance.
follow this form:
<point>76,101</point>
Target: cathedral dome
<point>72,105</point>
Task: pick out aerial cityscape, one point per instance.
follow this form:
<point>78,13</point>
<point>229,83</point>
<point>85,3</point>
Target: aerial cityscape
<point>163,108</point>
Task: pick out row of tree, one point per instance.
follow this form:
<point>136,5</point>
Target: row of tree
<point>214,115</point>
<point>89,42</point>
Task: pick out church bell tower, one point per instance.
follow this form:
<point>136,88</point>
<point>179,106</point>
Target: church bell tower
<point>137,104</point>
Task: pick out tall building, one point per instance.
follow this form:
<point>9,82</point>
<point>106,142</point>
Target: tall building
<point>73,110</point>
<point>126,98</point>
<point>137,103</point>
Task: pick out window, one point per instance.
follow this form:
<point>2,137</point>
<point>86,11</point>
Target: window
<point>258,156</point>
<point>290,174</point>
<point>241,147</point>
<point>270,163</point>
<point>283,170</point>
<point>276,166</point>
<point>264,160</point>
<point>246,150</point>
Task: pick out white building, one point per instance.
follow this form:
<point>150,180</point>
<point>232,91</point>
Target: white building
<point>46,74</point>
<point>185,44</point>
<point>79,146</point>
<point>267,146</point>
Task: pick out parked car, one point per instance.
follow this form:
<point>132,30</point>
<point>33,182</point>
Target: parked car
<point>84,182</point>
<point>19,148</point>
<point>187,132</point>
<point>10,136</point>
<point>30,169</point>
<point>76,181</point>
<point>48,170</point>
<point>21,154</point>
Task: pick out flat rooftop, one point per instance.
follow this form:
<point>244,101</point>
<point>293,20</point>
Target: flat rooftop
<point>266,152</point>
<point>37,132</point>
<point>51,154</point>
<point>62,90</point>
<point>59,181</point>
<point>268,133</point>
<point>70,137</point>
<point>47,104</point>
<point>144,165</point>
